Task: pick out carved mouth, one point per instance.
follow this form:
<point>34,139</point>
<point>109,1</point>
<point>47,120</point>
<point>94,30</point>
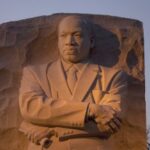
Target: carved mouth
<point>71,51</point>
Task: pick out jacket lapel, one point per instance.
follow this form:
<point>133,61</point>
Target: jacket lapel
<point>57,78</point>
<point>85,81</point>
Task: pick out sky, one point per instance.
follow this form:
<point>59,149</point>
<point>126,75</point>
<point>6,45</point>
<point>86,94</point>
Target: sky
<point>12,10</point>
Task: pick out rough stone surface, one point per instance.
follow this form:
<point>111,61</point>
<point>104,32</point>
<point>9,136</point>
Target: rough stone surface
<point>119,43</point>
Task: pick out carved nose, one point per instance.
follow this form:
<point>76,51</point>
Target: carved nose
<point>70,40</point>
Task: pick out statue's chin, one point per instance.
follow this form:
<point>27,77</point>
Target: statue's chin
<point>72,59</point>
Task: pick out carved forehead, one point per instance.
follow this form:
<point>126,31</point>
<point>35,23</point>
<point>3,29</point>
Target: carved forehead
<point>75,20</point>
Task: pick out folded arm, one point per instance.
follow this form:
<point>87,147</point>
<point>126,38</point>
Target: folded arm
<point>37,108</point>
<point>107,114</point>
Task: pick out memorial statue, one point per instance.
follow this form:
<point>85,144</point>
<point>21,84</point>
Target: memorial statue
<point>71,103</point>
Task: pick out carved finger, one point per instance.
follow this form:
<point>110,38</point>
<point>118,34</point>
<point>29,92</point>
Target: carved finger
<point>114,125</point>
<point>29,136</point>
<point>106,131</point>
<point>33,138</point>
<point>51,133</point>
<point>117,121</point>
<point>44,134</point>
<point>103,128</point>
<point>104,119</point>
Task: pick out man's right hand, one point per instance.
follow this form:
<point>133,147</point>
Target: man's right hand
<point>105,118</point>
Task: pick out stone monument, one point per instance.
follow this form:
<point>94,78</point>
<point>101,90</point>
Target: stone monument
<point>74,118</point>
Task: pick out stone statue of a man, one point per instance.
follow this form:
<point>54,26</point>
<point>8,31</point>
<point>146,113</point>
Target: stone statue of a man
<point>71,103</point>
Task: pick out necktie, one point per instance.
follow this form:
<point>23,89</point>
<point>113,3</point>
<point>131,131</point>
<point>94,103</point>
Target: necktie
<point>72,78</point>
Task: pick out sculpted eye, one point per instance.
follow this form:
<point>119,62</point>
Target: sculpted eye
<point>78,35</point>
<point>62,35</point>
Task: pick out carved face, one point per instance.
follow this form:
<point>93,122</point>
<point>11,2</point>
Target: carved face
<point>74,40</point>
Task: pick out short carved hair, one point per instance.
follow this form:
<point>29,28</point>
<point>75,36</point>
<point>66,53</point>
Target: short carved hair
<point>84,20</point>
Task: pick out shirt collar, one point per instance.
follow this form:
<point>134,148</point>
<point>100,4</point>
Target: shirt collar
<point>78,66</point>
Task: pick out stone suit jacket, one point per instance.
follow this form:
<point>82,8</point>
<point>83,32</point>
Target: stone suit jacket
<point>46,101</point>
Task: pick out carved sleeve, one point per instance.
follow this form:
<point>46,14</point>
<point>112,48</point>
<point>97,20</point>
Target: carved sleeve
<point>115,91</point>
<point>39,109</point>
